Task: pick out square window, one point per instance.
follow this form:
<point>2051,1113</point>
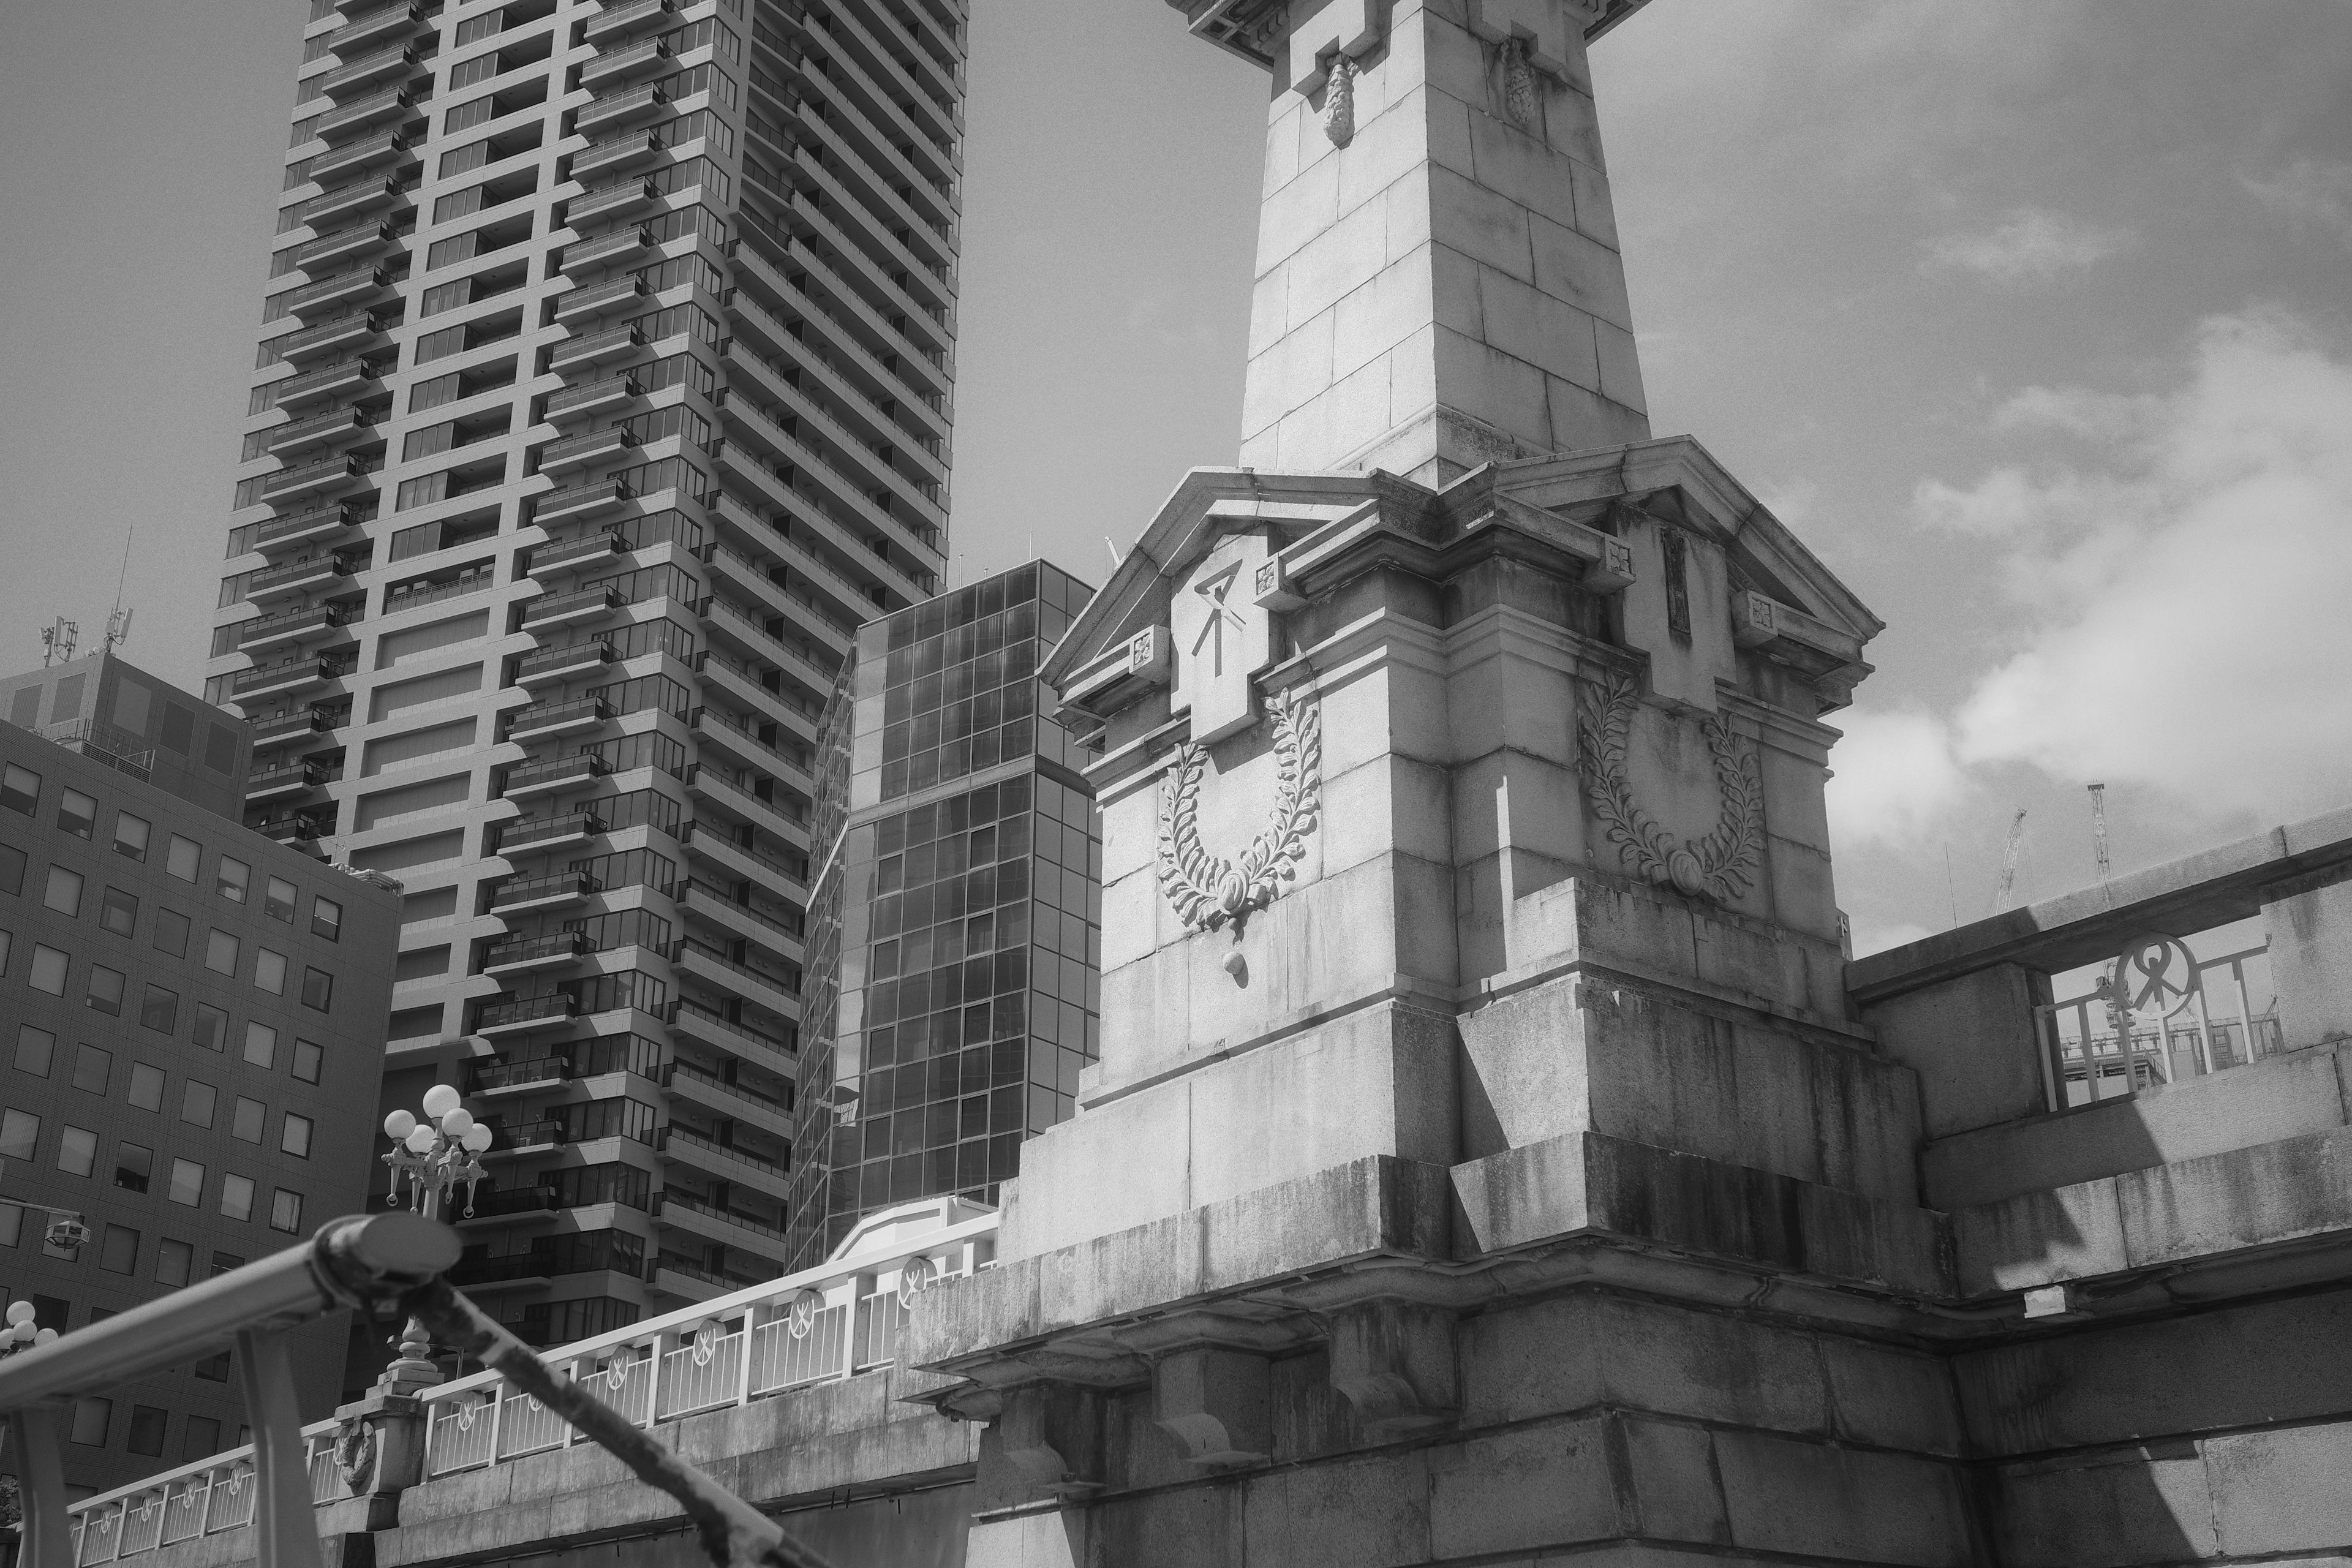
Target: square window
<point>277,899</point>
<point>286,1210</point>
<point>20,789</point>
<point>211,1027</point>
<point>77,1151</point>
<point>77,813</point>
<point>232,878</point>
<point>12,1227</point>
<point>146,1436</point>
<point>90,1419</point>
<point>327,918</point>
<point>294,1138</point>
<point>119,912</point>
<point>260,1044</point>
<point>181,858</point>
<point>118,1252</point>
<point>171,932</point>
<point>134,1166</point>
<point>318,989</point>
<point>237,1198</point>
<point>92,1067</point>
<point>220,953</point>
<point>12,871</point>
<point>196,1102</point>
<point>245,1123</point>
<point>106,988</point>
<point>7,944</point>
<point>131,835</point>
<point>34,1049</point>
<point>200,1437</point>
<point>223,1263</point>
<point>213,1368</point>
<point>64,892</point>
<point>49,972</point>
<point>159,1010</point>
<point>175,1262</point>
<point>187,1183</point>
<point>269,971</point>
<point>20,1132</point>
<point>307,1060</point>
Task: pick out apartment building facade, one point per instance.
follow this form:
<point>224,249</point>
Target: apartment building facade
<point>604,390</point>
<point>954,973</point>
<point>191,1034</point>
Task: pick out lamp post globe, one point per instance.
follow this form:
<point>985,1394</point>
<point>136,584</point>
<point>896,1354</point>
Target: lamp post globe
<point>431,1156</point>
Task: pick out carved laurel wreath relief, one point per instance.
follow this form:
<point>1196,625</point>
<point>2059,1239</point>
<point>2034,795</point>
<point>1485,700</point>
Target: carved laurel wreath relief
<point>1206,889</point>
<point>1721,866</point>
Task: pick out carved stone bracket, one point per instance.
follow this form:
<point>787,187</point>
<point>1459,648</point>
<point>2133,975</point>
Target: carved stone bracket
<point>1393,1361</point>
<point>1722,864</point>
<point>1209,890</point>
<point>1215,1402</point>
<point>1047,1441</point>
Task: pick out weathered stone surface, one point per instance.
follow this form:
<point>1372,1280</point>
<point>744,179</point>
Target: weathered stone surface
<point>1971,1041</point>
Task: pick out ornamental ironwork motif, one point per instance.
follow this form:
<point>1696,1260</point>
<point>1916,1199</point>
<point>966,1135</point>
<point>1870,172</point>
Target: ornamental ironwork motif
<point>1207,890</point>
<point>1722,864</point>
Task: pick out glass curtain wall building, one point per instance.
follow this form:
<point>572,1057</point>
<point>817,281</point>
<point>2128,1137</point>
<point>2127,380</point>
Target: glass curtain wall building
<point>604,390</point>
<point>956,949</point>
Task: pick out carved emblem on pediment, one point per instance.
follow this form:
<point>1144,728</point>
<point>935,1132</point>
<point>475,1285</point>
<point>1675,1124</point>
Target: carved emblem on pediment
<point>1207,890</point>
<point>1721,865</point>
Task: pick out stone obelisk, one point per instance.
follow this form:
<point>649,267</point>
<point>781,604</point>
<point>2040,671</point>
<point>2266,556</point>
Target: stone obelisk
<point>1475,1053</point>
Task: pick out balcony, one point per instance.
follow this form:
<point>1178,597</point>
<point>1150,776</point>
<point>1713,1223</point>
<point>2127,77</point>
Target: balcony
<point>537,1136</point>
<point>553,831</point>
<point>343,332</point>
<point>339,428</point>
<point>332,477</point>
<point>759,986</point>
<point>696,1022</point>
<point>582,501</point>
<point>600,299</point>
<point>628,198</point>
<point>768,934</point>
<point>684,1081</point>
<point>386,147</point>
<point>524,1014</point>
<point>352,378</point>
<point>617,22</point>
<point>348,80</point>
<point>522,955</point>
<point>591,397</point>
<point>375,28</point>
<point>350,201</point>
<point>553,561</point>
<point>362,112</point>
<point>283,679</point>
<point>345,245</point>
<point>681,1211</point>
<point>726,1161</point>
<point>606,347</point>
<point>580,451</point>
<point>296,830</point>
<point>283,781</point>
<point>516,1204</point>
<point>359,285</point>
<point>621,108</point>
<point>518,894</point>
<point>289,627</point>
<point>287,728</point>
<point>553,776</point>
<point>704,842</point>
<point>624,62</point>
<point>622,248</point>
<point>549,665</point>
<point>585,607</point>
<point>496,1075</point>
<point>616,154</point>
<point>545,720</point>
<point>715,784</point>
<point>301,527</point>
<point>288,578</point>
<point>737,743</point>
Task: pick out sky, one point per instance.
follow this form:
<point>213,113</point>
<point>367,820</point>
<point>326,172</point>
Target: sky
<point>2031,320</point>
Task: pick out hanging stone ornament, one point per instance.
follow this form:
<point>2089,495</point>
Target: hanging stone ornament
<point>1208,891</point>
<point>1519,83</point>
<point>1339,103</point>
<point>1722,864</point>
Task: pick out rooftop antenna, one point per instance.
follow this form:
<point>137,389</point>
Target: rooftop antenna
<point>58,640</point>
<point>2099,827</point>
<point>1114,551</point>
<point>118,619</point>
<point>2009,862</point>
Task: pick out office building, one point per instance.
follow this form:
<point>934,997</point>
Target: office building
<point>956,948</point>
<point>604,390</point>
<point>191,1033</point>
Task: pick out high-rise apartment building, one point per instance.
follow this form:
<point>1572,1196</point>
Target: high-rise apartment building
<point>956,944</point>
<point>191,1034</point>
<point>604,390</point>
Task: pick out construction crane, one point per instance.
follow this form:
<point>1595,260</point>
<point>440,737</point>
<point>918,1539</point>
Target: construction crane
<point>2099,827</point>
<point>2009,862</point>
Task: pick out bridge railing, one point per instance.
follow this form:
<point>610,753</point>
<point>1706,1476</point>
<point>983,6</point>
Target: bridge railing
<point>832,1322</point>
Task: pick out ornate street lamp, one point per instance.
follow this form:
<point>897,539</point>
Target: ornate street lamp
<point>431,1155</point>
<point>22,1334</point>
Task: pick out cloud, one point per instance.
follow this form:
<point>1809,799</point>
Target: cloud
<point>1895,777</point>
<point>2310,192</point>
<point>2184,602</point>
<point>2032,246</point>
<point>2080,412</point>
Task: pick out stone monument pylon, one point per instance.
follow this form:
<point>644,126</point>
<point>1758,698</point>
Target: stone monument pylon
<point>1480,1140</point>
